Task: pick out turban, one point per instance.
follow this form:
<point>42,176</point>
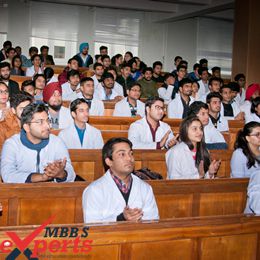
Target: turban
<point>49,90</point>
<point>251,90</point>
<point>83,45</point>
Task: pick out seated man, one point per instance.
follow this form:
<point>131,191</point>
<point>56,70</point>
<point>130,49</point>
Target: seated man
<point>214,86</point>
<point>4,100</point>
<point>213,138</point>
<point>179,106</point>
<point>118,195</point>
<point>96,107</point>
<point>99,70</point>
<point>59,115</point>
<point>214,103</point>
<point>81,135</point>
<point>157,69</point>
<point>35,155</point>
<point>131,105</point>
<point>149,86</point>
<point>149,132</point>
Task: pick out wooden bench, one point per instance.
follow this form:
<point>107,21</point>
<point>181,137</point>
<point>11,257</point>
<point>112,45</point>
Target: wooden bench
<point>20,79</point>
<point>88,163</point>
<point>220,237</point>
<point>27,204</point>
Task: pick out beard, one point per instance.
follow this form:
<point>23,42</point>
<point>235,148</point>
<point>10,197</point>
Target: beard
<point>55,107</point>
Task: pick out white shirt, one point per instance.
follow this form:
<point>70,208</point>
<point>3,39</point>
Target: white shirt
<point>122,108</point>
<point>101,95</point>
<point>166,94</point>
<point>18,161</point>
<point>236,111</point>
<point>30,71</point>
<point>102,200</point>
<point>140,135</point>
<point>92,138</point>
<point>252,117</point>
<point>240,99</point>
<point>175,107</point>
<point>222,123</point>
<point>67,93</point>
<point>203,89</point>
<point>65,118</point>
<point>96,82</point>
<point>212,135</point>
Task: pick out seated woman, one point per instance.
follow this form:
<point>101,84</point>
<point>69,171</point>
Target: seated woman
<point>190,159</point>
<point>246,157</point>
<point>166,91</point>
<point>255,111</point>
<point>17,66</point>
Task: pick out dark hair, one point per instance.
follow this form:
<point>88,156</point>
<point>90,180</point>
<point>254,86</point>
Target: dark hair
<point>213,95</point>
<point>71,59</point>
<point>30,110</point>
<point>7,43</point>
<point>196,82</point>
<point>196,66</point>
<point>27,83</point>
<point>111,68</point>
<point>195,108</point>
<point>150,101</point>
<point>148,69</point>
<point>17,99</point>
<point>202,61</point>
<point>181,66</point>
<point>130,86</point>
<point>33,49</point>
<point>234,86</point>
<point>125,65</point>
<point>255,104</point>
<point>48,73</point>
<point>74,104</point>
<point>184,63</point>
<point>5,64</point>
<point>34,56</point>
<point>107,75</point>
<point>97,64</point>
<point>72,73</point>
<point>225,86</point>
<point>114,58</point>
<point>104,57</point>
<point>44,47</point>
<point>177,57</point>
<point>202,153</point>
<point>107,150</point>
<point>156,63</point>
<point>242,143</point>
<point>85,79</point>
<point>167,75</point>
<point>3,83</point>
<point>97,56</point>
<point>239,76</point>
<point>10,49</point>
<point>19,58</point>
<point>102,48</point>
<point>214,79</point>
<point>36,76</point>
<point>201,69</point>
<point>184,81</point>
<point>130,53</point>
<point>215,68</point>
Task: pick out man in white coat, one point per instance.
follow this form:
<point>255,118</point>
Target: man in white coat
<point>96,106</point>
<point>118,195</point>
<point>131,106</point>
<point>150,132</point>
<point>59,115</point>
<point>213,138</point>
<point>81,135</point>
<point>35,155</point>
<point>99,70</point>
<point>179,106</point>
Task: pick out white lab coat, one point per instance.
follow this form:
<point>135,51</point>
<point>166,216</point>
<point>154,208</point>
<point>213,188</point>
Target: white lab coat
<point>67,93</point>
<point>180,163</point>
<point>140,135</point>
<point>202,89</point>
<point>92,138</point>
<point>252,117</point>
<point>212,135</point>
<point>253,194</point>
<point>96,82</point>
<point>102,201</point>
<point>175,107</point>
<point>240,99</point>
<point>236,111</point>
<point>166,94</point>
<point>65,118</point>
<point>222,124</point>
<point>99,93</point>
<point>18,161</point>
<point>122,108</point>
<point>30,71</point>
<point>97,106</point>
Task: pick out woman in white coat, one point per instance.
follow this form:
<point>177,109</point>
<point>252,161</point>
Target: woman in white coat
<point>190,159</point>
<point>254,114</point>
<point>131,106</point>
<point>246,157</point>
<point>166,91</point>
<point>81,135</point>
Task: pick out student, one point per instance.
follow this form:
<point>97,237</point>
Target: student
<point>180,74</point>
<point>149,87</point>
<point>116,62</point>
<point>17,66</point>
<point>4,100</point>
<point>229,108</point>
<point>98,70</point>
<point>177,61</point>
<point>39,84</point>
<point>190,158</point>
<point>214,86</point>
<point>246,157</point>
<point>179,106</point>
<point>45,57</point>
<point>35,155</point>
<point>105,60</point>
<point>83,58</point>
<point>214,100</point>
<point>117,87</point>
<point>59,115</point>
<point>254,112</point>
<point>49,75</point>
<point>166,91</point>
<point>103,50</point>
<point>81,135</point>
<point>157,69</point>
<point>36,67</point>
<point>128,56</point>
<point>11,52</point>
<point>203,82</point>
<point>72,87</point>
<point>135,73</point>
<point>213,138</point>
<point>32,51</point>
<point>150,132</point>
<point>131,106</point>
<point>195,90</point>
<point>194,76</point>
<point>241,80</point>
<point>13,86</point>
<point>118,195</point>
<point>216,72</point>
<point>96,107</point>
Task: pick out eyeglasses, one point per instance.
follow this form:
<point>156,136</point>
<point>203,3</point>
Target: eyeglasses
<point>4,92</point>
<point>159,108</point>
<point>256,134</point>
<point>41,121</point>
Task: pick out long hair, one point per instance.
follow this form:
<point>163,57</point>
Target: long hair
<point>242,143</point>
<point>202,152</point>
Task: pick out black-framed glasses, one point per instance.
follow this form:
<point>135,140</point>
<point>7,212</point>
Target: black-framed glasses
<point>256,134</point>
<point>41,121</point>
